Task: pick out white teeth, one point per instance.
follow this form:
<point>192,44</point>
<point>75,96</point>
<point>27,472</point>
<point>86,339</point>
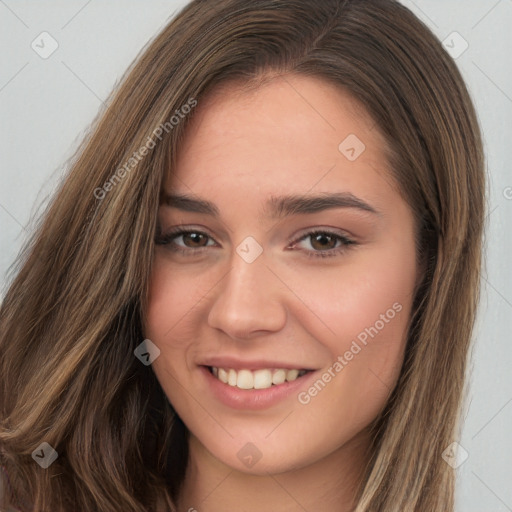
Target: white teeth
<point>262,379</point>
<point>245,379</point>
<point>223,375</point>
<point>292,375</point>
<point>279,377</point>
<point>257,379</point>
<point>232,377</point>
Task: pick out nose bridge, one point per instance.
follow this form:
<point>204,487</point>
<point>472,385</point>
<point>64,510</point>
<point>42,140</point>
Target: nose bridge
<point>248,298</point>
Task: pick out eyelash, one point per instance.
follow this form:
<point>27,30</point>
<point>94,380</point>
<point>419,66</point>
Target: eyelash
<point>166,239</point>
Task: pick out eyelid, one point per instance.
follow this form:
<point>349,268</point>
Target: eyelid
<point>180,230</point>
<point>296,237</point>
<point>303,233</point>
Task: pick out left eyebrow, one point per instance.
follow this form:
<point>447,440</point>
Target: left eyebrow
<point>283,206</point>
<point>277,207</point>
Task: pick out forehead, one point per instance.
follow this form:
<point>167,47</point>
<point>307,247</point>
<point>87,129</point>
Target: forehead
<point>291,134</point>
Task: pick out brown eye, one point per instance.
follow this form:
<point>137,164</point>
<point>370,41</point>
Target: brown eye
<point>190,240</point>
<point>195,238</point>
<point>322,241</point>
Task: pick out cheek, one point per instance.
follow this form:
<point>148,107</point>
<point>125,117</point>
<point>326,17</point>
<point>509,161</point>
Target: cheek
<point>171,301</point>
<point>369,296</point>
<point>365,308</point>
<point>170,306</point>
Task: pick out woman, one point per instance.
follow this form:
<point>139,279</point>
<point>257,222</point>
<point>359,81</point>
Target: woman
<point>257,285</point>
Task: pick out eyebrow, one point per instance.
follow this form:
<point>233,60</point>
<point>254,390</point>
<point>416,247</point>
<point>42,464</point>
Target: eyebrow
<point>276,206</point>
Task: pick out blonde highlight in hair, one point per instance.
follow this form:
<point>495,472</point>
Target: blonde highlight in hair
<point>75,311</point>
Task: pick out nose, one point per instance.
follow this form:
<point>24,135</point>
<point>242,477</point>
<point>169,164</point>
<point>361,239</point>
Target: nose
<point>249,300</point>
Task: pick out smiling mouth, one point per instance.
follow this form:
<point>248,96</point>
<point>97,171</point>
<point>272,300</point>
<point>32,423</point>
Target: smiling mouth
<point>256,379</point>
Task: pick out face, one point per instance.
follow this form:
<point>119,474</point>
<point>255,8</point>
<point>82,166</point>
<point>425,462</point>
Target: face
<point>282,284</point>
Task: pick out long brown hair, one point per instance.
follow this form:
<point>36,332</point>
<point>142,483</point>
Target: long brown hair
<point>74,312</point>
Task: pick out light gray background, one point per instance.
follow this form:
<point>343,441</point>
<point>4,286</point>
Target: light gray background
<point>46,104</point>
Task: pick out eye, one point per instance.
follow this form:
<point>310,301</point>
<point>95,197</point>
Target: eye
<point>193,240</point>
<point>324,243</point>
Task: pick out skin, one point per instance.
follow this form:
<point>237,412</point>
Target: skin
<point>241,147</point>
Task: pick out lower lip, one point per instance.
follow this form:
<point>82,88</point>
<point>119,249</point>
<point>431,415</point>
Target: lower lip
<point>253,399</point>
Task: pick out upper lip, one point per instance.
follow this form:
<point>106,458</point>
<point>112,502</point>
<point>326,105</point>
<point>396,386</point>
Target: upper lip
<point>227,362</point>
